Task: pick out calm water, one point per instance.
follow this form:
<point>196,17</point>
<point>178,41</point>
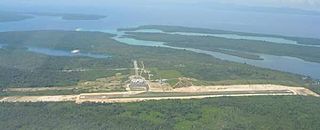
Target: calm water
<point>233,36</point>
<point>282,63</point>
<point>54,52</point>
<point>286,24</point>
<point>183,15</point>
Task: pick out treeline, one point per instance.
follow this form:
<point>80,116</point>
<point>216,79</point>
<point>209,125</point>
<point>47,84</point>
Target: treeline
<point>22,68</point>
<point>12,16</point>
<point>168,28</point>
<point>247,113</point>
<point>213,43</point>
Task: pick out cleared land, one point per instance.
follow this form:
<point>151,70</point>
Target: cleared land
<point>193,92</point>
<point>36,89</point>
<point>56,98</point>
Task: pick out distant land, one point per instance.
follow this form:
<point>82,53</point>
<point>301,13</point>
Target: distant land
<point>28,79</point>
<point>69,16</point>
<point>15,16</point>
<point>303,48</point>
<point>163,62</point>
<point>10,17</point>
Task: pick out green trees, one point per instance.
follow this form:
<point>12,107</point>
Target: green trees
<point>238,47</point>
<point>277,112</point>
<point>21,68</point>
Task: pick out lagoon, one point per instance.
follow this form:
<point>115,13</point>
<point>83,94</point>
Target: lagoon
<point>54,52</point>
<point>281,63</point>
<point>127,19</point>
<point>233,36</point>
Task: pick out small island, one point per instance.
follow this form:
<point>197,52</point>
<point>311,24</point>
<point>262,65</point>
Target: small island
<point>70,16</point>
<point>11,17</point>
<point>82,17</point>
<point>14,16</point>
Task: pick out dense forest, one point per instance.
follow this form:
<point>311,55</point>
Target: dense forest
<point>220,44</point>
<point>22,68</point>
<point>241,113</point>
<point>167,28</point>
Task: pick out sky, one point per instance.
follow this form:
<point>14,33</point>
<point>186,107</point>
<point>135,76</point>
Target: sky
<point>299,4</point>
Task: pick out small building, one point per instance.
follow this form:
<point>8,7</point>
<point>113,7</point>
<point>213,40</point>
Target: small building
<point>138,84</point>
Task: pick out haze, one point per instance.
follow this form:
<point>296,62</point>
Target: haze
<point>300,4</point>
<point>284,17</point>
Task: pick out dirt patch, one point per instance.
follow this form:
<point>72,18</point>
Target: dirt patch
<point>248,88</point>
<point>57,98</point>
<point>178,93</point>
<point>36,89</point>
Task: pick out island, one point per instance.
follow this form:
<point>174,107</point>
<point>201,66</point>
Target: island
<point>19,16</point>
<point>142,87</point>
<point>71,16</point>
<point>11,17</point>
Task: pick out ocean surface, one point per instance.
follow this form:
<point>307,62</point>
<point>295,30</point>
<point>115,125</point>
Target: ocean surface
<point>281,63</point>
<point>244,21</point>
<point>227,18</point>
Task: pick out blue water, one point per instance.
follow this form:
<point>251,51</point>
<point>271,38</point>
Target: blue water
<point>267,23</point>
<point>54,52</point>
<point>183,15</point>
<point>233,36</point>
<point>281,63</point>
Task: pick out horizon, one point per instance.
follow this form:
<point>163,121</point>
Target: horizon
<point>308,5</point>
